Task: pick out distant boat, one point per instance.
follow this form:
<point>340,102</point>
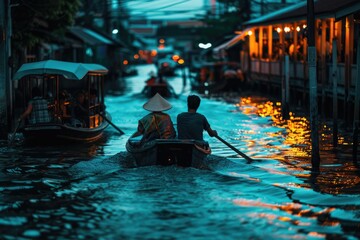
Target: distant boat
<point>154,85</point>
<point>213,77</point>
<point>55,78</point>
<point>185,153</point>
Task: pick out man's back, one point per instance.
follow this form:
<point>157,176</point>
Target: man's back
<point>40,113</point>
<point>190,125</point>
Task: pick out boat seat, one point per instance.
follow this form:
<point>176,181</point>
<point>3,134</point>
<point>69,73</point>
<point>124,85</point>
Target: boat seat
<point>174,153</point>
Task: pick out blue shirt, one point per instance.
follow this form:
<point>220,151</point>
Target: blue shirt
<point>191,125</point>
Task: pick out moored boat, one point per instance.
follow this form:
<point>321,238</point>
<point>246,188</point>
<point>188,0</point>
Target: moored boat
<point>58,82</point>
<point>213,77</point>
<point>184,153</point>
<point>158,85</point>
<point>164,89</point>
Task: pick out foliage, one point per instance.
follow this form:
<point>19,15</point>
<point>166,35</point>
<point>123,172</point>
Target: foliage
<point>234,13</point>
<point>34,21</point>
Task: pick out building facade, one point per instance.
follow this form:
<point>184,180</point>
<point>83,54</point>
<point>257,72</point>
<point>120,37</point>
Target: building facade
<point>4,70</point>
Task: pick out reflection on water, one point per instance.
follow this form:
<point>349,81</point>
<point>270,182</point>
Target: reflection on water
<point>91,192</point>
<point>338,174</point>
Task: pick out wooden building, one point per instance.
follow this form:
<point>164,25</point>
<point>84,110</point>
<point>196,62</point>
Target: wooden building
<point>270,40</point>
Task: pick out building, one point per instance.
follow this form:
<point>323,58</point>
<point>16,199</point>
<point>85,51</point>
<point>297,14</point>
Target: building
<point>269,39</point>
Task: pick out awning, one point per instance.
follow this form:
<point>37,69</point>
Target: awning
<point>70,70</point>
<point>90,37</point>
<point>231,42</point>
<point>322,9</point>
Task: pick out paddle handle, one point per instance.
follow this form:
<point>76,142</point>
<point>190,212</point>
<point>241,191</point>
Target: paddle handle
<point>234,149</point>
<point>14,133</point>
<point>112,124</point>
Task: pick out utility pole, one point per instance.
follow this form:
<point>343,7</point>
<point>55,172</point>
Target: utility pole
<point>3,69</point>
<point>315,155</point>
<point>6,88</point>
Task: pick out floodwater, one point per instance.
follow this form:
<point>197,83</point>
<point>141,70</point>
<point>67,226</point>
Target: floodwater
<point>87,192</point>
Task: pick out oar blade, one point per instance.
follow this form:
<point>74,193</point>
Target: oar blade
<point>234,149</point>
<point>112,124</point>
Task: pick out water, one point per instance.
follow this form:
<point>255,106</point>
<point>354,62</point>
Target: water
<point>89,192</point>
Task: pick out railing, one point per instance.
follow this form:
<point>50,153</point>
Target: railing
<point>299,72</point>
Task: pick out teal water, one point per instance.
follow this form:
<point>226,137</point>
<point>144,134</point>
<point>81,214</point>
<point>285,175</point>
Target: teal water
<point>88,191</point>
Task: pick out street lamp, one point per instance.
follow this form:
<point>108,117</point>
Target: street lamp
<point>205,45</point>
<point>115,31</point>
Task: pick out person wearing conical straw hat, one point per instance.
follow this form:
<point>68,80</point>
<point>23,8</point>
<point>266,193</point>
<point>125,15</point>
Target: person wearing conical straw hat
<point>155,125</point>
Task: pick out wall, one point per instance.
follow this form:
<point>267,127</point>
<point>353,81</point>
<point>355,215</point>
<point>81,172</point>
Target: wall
<point>3,71</point>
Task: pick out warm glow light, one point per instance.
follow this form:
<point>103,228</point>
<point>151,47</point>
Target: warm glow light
<point>181,61</point>
<point>278,30</point>
<point>153,53</point>
<point>125,62</point>
<point>304,26</point>
<point>298,28</point>
<point>175,57</point>
<point>249,32</point>
<point>287,29</point>
<point>136,56</point>
<point>161,41</point>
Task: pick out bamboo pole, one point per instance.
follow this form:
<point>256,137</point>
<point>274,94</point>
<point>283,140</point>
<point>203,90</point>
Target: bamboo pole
<point>357,104</point>
<point>335,92</point>
<point>315,155</point>
<point>285,88</point>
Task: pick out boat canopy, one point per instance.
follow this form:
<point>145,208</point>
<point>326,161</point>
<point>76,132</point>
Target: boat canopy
<point>70,70</point>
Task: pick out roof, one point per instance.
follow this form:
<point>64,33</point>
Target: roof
<point>322,9</point>
<point>70,70</point>
<point>93,38</point>
<point>231,42</point>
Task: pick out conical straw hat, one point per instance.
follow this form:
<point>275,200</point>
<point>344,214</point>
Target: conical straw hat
<point>157,104</point>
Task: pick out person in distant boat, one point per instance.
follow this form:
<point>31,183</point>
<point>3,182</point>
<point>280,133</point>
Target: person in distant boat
<point>37,110</point>
<point>160,78</point>
<point>190,124</point>
<point>152,79</point>
<point>80,111</point>
<point>64,97</point>
<point>93,98</point>
<point>155,125</point>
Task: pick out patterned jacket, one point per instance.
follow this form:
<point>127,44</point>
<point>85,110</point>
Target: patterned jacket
<point>40,112</point>
<point>156,125</point>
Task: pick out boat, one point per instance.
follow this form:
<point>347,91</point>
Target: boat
<point>59,81</point>
<point>156,85</point>
<point>165,152</point>
<point>213,77</point>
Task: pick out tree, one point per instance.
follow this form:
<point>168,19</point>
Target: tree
<point>233,14</point>
<point>35,21</point>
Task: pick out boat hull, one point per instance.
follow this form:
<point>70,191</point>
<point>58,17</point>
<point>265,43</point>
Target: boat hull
<point>164,89</point>
<point>59,132</point>
<point>165,152</point>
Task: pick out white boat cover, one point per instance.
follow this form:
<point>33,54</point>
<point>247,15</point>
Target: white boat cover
<point>70,70</point>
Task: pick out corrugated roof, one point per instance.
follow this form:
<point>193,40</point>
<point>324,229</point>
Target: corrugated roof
<point>91,37</point>
<point>322,9</point>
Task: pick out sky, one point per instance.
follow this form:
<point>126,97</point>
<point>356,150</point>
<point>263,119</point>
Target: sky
<point>165,9</point>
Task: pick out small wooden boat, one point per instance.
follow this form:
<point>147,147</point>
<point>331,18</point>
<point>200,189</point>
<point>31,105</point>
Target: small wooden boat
<point>54,78</point>
<point>164,89</point>
<point>185,153</point>
<point>161,87</point>
<point>213,77</point>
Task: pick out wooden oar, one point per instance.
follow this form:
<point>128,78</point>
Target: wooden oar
<point>14,133</point>
<point>233,148</point>
<point>119,130</point>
